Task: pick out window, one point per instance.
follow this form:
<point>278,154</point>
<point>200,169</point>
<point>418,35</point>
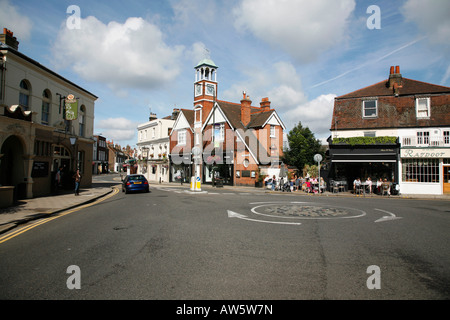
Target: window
<point>24,95</point>
<point>272,131</point>
<point>82,119</point>
<point>80,161</point>
<point>423,137</point>
<point>446,137</point>
<point>46,100</point>
<point>219,132</point>
<point>420,170</point>
<point>370,109</point>
<point>423,107</point>
<point>182,137</point>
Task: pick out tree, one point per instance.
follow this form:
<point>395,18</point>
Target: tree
<point>302,147</point>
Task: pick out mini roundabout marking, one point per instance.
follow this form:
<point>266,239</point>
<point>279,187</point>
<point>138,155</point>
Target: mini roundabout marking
<point>288,212</point>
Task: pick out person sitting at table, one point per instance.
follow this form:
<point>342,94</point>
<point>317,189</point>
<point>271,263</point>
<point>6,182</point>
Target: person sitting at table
<point>308,186</point>
<point>369,185</point>
<point>386,185</point>
<point>322,185</point>
<point>379,183</point>
<point>356,184</point>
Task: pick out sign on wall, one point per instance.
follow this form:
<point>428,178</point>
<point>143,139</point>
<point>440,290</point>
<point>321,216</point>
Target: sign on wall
<point>71,107</point>
<point>425,153</point>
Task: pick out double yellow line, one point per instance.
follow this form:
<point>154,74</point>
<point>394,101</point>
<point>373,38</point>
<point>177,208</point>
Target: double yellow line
<point>26,228</point>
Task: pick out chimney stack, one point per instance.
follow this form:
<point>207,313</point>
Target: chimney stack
<point>8,38</point>
<point>395,79</point>
<point>246,109</point>
<point>265,104</point>
<point>175,113</point>
<point>152,117</point>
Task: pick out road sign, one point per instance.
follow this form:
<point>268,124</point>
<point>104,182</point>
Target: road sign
<point>317,157</point>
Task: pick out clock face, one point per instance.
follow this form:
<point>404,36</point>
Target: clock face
<point>198,89</point>
<point>209,89</point>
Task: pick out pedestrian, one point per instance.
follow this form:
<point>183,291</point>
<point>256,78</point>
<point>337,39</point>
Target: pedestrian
<point>58,179</point>
<point>77,177</point>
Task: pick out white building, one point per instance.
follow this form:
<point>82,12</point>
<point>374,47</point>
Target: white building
<point>153,147</point>
<point>35,136</point>
<point>398,129</point>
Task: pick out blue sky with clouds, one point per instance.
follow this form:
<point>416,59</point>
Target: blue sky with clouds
<point>138,56</point>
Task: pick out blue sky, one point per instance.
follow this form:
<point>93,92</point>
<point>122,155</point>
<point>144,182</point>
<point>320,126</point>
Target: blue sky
<point>139,56</point>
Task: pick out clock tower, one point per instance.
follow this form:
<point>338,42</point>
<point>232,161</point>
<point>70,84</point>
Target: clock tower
<point>205,94</point>
<point>205,86</point>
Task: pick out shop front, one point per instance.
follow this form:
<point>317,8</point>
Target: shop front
<point>351,162</point>
<point>425,171</point>
<point>180,168</point>
<point>218,167</point>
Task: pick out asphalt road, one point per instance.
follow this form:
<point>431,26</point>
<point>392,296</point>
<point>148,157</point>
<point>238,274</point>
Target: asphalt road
<point>172,244</point>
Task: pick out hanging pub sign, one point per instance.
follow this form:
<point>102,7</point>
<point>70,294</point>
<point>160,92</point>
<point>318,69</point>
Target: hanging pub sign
<point>71,107</point>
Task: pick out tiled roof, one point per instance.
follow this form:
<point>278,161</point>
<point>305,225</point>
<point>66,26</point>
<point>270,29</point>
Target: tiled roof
<point>408,87</point>
<point>233,113</point>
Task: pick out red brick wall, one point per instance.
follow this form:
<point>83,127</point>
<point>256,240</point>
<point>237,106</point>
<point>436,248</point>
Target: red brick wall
<point>393,112</point>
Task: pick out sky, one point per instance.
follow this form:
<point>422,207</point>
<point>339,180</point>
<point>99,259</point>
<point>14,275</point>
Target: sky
<point>139,56</point>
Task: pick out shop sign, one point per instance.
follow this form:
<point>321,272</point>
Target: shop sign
<point>71,107</point>
<point>425,153</point>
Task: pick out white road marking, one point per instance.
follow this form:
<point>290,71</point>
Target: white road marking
<point>390,216</point>
<point>232,214</point>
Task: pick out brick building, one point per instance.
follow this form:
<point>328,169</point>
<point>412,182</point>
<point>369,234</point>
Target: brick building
<point>396,129</point>
<point>233,142</point>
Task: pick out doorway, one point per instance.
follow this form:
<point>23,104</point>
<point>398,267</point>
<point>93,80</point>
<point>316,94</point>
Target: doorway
<point>446,182</point>
<point>12,166</point>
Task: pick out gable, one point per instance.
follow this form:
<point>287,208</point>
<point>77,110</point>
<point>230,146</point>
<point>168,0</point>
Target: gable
<point>275,120</point>
<point>181,122</point>
<point>217,115</point>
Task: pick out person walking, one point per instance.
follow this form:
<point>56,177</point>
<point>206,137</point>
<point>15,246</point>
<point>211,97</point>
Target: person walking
<point>77,177</point>
<point>58,179</point>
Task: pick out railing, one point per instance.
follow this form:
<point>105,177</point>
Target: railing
<point>425,141</point>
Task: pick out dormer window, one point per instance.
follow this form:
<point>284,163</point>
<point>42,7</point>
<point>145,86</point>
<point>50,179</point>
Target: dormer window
<point>423,108</point>
<point>370,109</point>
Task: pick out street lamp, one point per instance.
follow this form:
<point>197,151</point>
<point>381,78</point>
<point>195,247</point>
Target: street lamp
<point>73,141</point>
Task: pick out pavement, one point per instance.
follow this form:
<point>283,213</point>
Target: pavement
<point>42,207</point>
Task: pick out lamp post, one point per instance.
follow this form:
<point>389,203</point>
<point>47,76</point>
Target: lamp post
<point>73,141</point>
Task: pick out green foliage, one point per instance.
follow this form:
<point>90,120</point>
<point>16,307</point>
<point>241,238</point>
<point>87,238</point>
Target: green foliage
<point>353,141</point>
<point>302,147</point>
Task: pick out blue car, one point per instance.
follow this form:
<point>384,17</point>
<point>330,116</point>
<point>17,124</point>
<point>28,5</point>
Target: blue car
<point>135,182</point>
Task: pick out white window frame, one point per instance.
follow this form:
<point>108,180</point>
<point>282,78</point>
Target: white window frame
<point>364,108</point>
<point>181,137</point>
<point>427,107</point>
<point>423,138</point>
<point>273,131</point>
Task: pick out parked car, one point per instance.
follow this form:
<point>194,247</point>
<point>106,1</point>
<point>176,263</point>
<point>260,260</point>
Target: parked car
<point>135,182</point>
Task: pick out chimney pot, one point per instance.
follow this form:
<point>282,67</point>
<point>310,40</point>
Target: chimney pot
<point>397,69</point>
<point>392,70</point>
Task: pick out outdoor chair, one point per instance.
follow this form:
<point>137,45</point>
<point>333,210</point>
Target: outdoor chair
<point>385,189</point>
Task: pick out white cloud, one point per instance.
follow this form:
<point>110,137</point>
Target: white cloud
<point>14,21</point>
<point>432,18</point>
<point>283,86</point>
<point>303,28</point>
<point>315,114</point>
<point>117,129</point>
<point>128,55</point>
<point>279,82</point>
